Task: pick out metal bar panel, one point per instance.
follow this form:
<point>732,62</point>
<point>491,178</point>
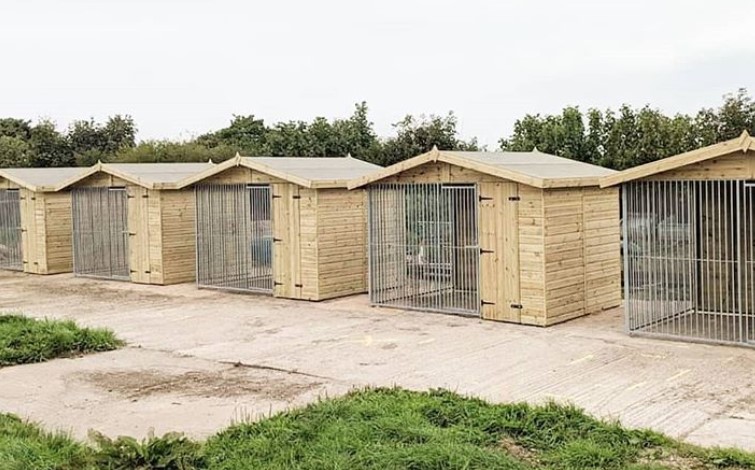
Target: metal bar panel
<point>11,232</point>
<point>234,237</point>
<point>424,248</point>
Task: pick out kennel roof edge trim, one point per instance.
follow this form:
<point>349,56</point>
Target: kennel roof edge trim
<point>535,168</point>
<point>308,172</point>
<point>742,143</point>
<point>40,179</point>
<point>146,175</point>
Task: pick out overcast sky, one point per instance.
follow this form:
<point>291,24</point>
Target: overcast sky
<point>181,68</point>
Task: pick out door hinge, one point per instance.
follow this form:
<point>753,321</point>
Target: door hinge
<point>277,196</point>
<point>147,272</point>
<point>131,234</point>
<point>298,285</point>
<point>23,230</point>
<point>277,240</point>
<point>277,283</point>
<point>484,252</point>
<point>514,198</point>
<point>33,198</point>
<point>482,302</point>
<point>145,196</point>
<point>296,197</point>
<point>485,198</point>
<point>517,306</point>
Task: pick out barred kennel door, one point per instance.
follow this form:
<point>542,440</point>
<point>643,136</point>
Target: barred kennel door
<point>424,247</point>
<point>100,233</point>
<point>234,237</point>
<point>11,243</point>
<point>689,253</point>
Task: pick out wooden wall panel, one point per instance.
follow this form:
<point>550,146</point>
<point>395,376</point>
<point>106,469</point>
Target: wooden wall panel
<point>737,165</point>
<point>499,243</point>
<point>602,249</point>
<point>58,235</point>
<point>531,255</point>
<point>582,252</point>
<point>140,254</point>
<point>177,236</point>
<point>342,242</point>
<point>283,246</point>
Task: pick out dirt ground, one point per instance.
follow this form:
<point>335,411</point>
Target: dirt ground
<point>198,360</point>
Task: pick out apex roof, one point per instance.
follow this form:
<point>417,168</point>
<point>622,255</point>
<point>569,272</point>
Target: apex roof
<point>309,172</point>
<point>148,175</point>
<point>40,179</point>
<point>535,168</point>
<point>743,143</point>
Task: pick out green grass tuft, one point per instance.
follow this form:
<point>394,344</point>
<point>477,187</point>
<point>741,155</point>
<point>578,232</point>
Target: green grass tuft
<point>26,340</point>
<point>382,429</point>
<point>25,446</point>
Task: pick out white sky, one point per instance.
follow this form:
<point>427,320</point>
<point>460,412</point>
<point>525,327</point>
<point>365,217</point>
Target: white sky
<point>181,68</point>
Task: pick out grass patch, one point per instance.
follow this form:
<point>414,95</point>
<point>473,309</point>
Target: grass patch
<point>385,429</point>
<point>26,340</point>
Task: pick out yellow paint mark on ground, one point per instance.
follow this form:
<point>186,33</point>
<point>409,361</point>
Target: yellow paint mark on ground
<point>678,374</point>
<point>367,340</point>
<point>653,356</point>
<point>637,385</point>
<point>582,359</point>
<point>427,341</point>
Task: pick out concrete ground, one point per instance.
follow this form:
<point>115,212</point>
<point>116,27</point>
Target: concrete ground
<point>198,360</point>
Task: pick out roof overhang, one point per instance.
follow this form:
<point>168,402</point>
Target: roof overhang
<point>100,167</point>
<point>743,143</point>
<point>239,161</point>
<point>436,155</point>
<point>20,182</point>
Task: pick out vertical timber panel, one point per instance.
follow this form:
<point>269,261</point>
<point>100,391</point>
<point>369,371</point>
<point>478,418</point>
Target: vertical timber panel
<point>138,228</point>
<point>489,257</point>
<point>294,234</point>
<point>507,225</point>
<point>281,242</point>
<point>499,242</point>
<point>29,231</point>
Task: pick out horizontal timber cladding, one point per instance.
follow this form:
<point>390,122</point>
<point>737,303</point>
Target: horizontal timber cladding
<point>341,238</point>
<point>546,255</point>
<point>582,252</point>
<point>55,235</point>
<point>735,166</point>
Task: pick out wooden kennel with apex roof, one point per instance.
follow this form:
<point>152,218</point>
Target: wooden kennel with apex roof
<point>283,226</point>
<point>524,237</point>
<point>35,221</point>
<point>130,223</point>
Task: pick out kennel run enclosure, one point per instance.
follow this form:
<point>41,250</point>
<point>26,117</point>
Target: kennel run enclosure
<point>426,253</point>
<point>282,226</point>
<point>524,237</point>
<point>689,246</point>
<point>35,220</point>
<point>130,223</point>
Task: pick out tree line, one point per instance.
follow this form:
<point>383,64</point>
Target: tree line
<point>612,138</point>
